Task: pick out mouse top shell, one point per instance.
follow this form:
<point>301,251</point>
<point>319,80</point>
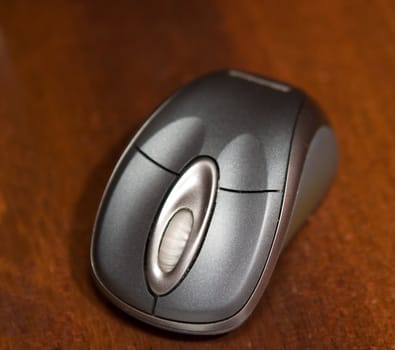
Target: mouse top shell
<point>205,197</point>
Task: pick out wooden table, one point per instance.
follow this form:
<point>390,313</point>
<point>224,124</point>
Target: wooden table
<point>77,78</point>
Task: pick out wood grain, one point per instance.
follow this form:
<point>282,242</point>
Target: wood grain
<point>77,78</point>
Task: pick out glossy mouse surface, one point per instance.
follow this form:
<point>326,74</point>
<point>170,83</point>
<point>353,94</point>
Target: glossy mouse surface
<point>205,197</point>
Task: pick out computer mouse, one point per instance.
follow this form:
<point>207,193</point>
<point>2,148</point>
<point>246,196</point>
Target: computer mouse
<point>205,197</point>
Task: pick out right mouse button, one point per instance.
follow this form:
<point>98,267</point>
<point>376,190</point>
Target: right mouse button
<point>230,262</point>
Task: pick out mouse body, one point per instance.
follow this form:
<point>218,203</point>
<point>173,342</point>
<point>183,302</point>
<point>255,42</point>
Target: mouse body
<point>205,197</point>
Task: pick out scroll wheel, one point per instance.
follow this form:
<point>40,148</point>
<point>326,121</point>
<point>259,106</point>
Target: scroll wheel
<point>174,239</point>
<point>181,225</point>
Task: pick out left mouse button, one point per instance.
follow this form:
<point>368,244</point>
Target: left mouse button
<point>128,207</point>
<point>174,144</point>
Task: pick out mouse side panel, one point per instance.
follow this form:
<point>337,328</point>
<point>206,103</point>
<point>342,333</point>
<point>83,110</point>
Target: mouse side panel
<point>317,174</point>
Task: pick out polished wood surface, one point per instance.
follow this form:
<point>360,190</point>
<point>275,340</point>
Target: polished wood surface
<point>77,78</point>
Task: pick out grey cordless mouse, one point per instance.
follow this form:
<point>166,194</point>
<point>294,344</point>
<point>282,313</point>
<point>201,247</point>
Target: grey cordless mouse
<point>205,197</point>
